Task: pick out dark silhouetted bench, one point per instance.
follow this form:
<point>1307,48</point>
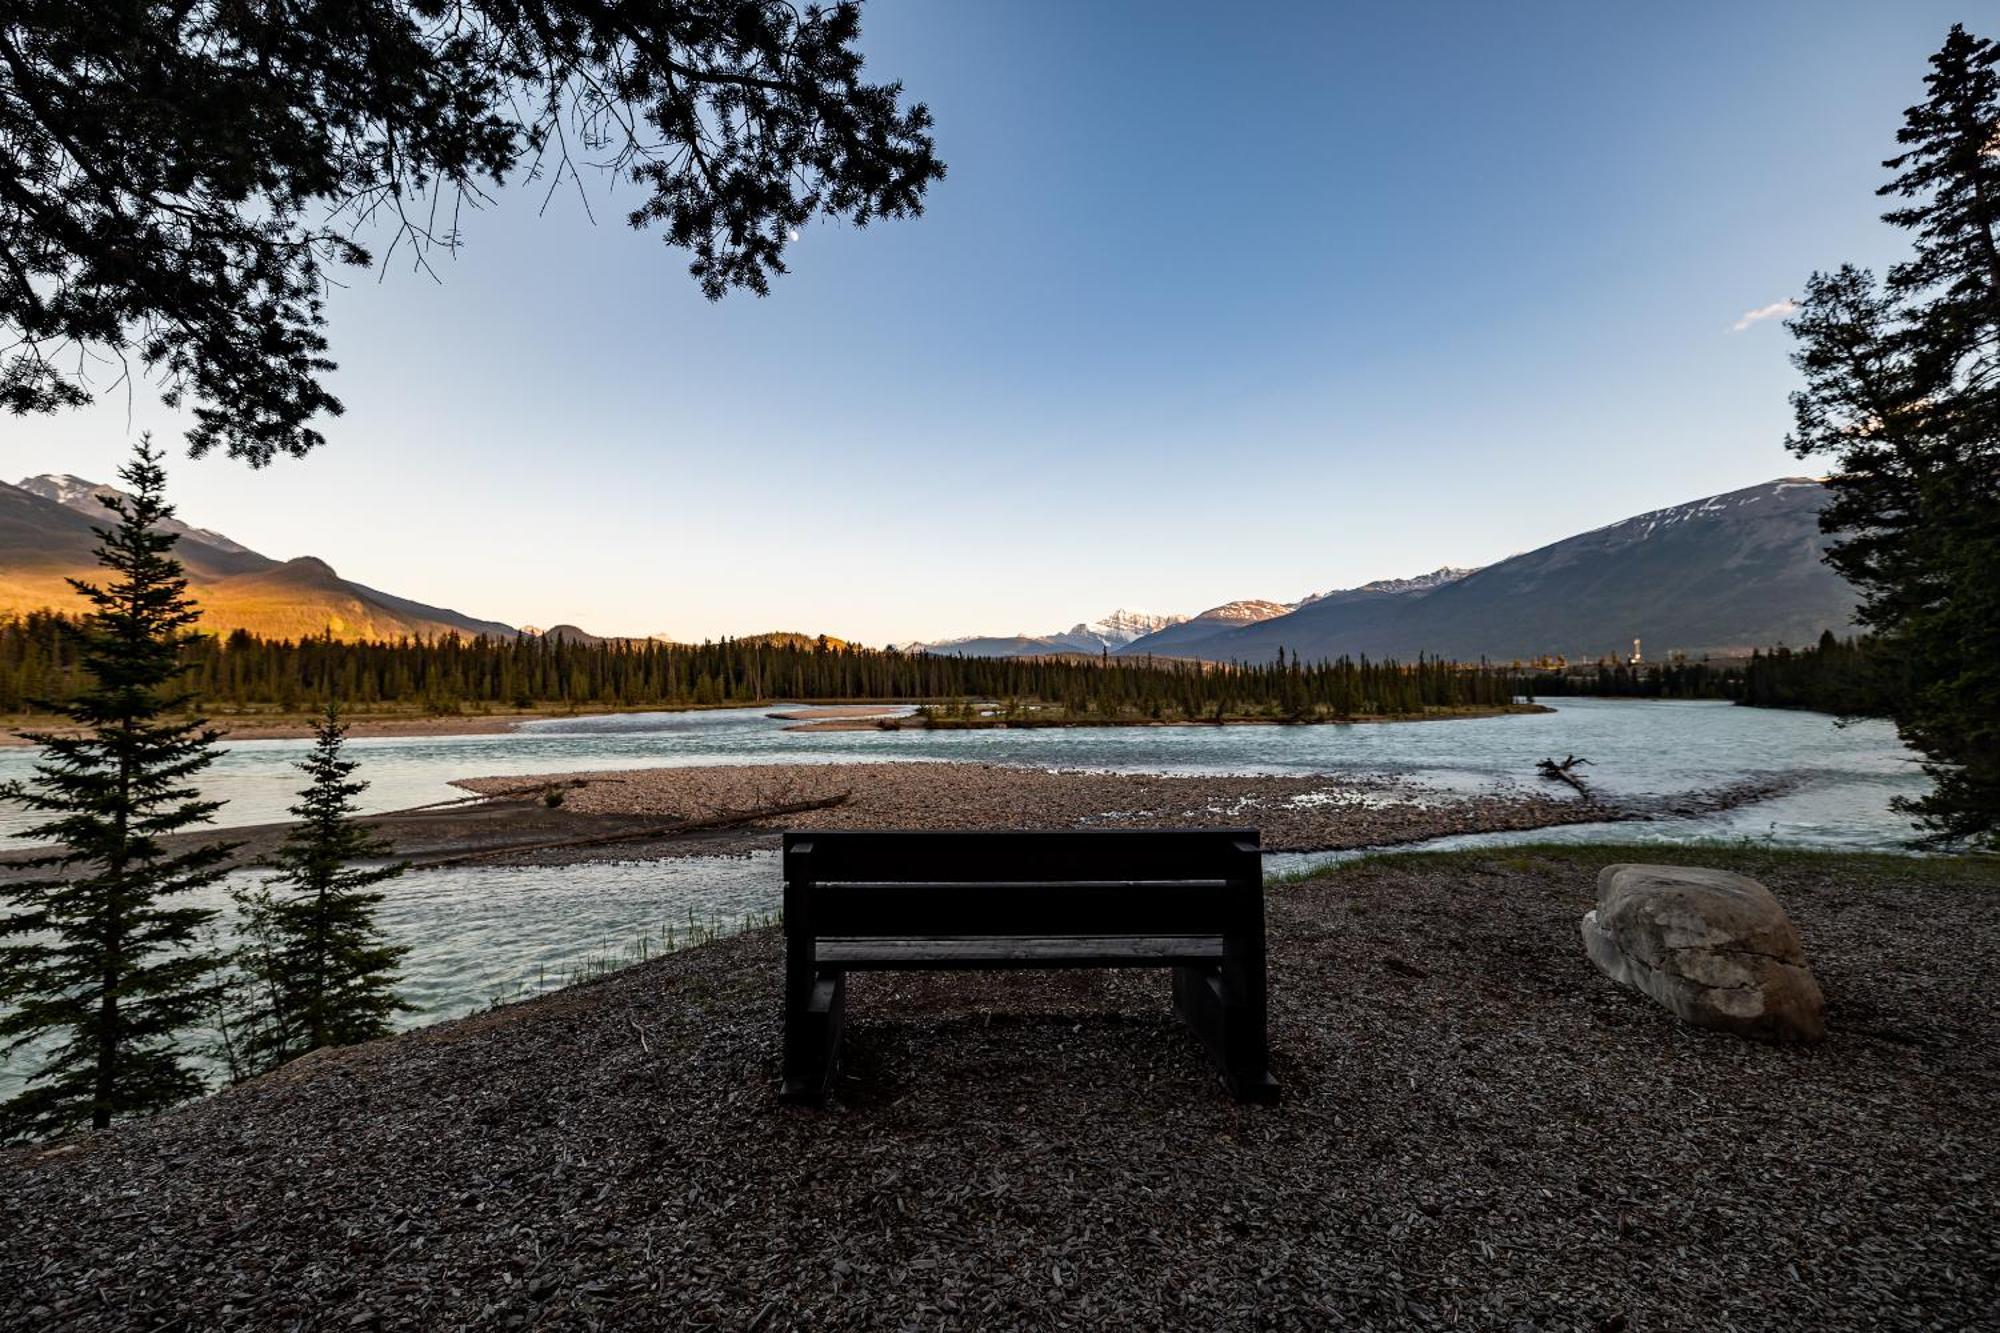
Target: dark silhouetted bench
<point>1188,899</point>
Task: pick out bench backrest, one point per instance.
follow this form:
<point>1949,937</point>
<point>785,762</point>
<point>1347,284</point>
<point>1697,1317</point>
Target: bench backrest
<point>1058,883</point>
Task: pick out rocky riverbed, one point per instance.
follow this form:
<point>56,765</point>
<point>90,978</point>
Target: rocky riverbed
<point>1477,1131</point>
<point>1295,812</point>
<point>646,814</point>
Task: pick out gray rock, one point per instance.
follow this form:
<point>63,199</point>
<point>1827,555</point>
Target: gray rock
<point>1713,947</point>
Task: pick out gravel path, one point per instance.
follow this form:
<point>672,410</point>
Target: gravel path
<point>1477,1131</point>
<point>1296,813</point>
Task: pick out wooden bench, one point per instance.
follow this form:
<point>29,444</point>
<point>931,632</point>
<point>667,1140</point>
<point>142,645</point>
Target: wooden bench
<point>1187,899</point>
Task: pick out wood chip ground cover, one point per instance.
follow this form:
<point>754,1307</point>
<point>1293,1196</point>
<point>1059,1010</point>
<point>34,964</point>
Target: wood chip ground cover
<point>1478,1131</point>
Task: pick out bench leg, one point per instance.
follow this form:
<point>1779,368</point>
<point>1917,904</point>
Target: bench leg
<point>1230,1023</point>
<point>812,1039</point>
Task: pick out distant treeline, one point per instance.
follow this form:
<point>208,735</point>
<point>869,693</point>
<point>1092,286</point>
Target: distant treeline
<point>38,656</point>
<point>1620,680</point>
<point>1834,676</point>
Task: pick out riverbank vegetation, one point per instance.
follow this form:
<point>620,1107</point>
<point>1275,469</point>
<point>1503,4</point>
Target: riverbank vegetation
<point>1847,677</point>
<point>314,970</point>
<point>972,715</point>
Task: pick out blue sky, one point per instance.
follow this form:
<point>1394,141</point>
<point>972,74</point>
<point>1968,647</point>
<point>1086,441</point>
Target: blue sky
<point>1216,302</point>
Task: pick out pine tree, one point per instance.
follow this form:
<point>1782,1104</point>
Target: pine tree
<point>94,957</point>
<point>1903,390</point>
<point>317,969</point>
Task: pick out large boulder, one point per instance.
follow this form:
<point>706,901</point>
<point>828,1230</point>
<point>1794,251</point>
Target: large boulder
<point>1714,947</point>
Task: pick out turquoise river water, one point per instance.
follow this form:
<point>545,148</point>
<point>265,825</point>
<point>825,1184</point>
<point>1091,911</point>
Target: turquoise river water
<point>483,933</point>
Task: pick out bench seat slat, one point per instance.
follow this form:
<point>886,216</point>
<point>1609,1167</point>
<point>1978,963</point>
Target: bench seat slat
<point>1038,907</point>
<point>985,952</point>
<point>1015,885</point>
<point>1051,854</point>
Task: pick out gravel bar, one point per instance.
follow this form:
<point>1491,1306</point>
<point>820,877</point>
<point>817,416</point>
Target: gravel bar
<point>1297,813</point>
<point>1477,1131</point>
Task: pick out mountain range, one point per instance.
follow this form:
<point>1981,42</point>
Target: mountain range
<point>46,538</point>
<point>1092,636</point>
<point>1123,631</point>
<point>1198,635</point>
<point>1719,575</point>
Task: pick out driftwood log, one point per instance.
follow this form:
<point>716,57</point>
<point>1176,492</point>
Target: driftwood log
<point>508,794</point>
<point>1566,772</point>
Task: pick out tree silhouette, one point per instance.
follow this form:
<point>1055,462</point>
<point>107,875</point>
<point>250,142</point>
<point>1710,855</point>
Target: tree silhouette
<point>178,180</point>
<point>1902,390</point>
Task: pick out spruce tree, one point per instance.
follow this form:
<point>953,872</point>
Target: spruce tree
<point>96,962</point>
<point>1903,391</point>
<point>317,969</point>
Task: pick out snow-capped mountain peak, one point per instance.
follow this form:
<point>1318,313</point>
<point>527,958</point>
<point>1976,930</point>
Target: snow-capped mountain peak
<point>63,488</point>
<point>1247,611</point>
<point>1437,578</point>
<point>1115,630</point>
<point>73,492</point>
<point>1107,634</point>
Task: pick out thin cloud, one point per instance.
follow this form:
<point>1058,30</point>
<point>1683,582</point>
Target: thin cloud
<point>1763,312</point>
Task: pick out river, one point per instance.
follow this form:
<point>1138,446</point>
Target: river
<point>478,934</point>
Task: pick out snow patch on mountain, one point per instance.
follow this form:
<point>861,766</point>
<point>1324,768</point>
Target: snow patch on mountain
<point>1641,526</point>
<point>1437,578</point>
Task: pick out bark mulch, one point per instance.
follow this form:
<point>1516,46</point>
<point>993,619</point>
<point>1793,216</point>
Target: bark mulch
<point>1478,1131</point>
